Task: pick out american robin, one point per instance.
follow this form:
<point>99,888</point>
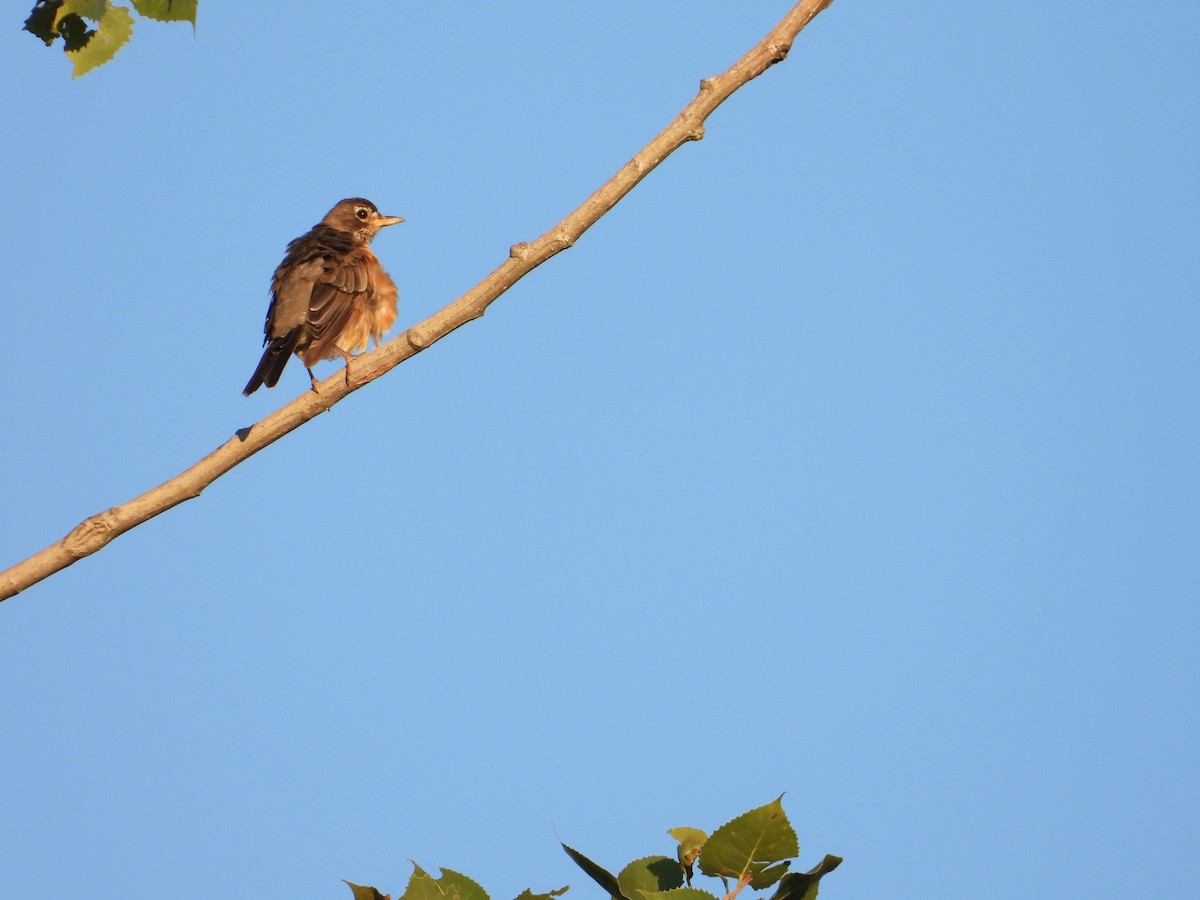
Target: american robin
<point>329,296</point>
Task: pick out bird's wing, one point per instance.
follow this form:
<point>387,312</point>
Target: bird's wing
<point>315,290</point>
<point>301,270</point>
<point>340,286</point>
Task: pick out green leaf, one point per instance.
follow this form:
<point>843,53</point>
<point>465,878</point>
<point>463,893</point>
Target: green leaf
<point>749,848</point>
<point>41,21</point>
<point>686,893</point>
<point>770,875</point>
<point>115,27</point>
<point>803,885</point>
<point>600,875</point>
<point>689,838</point>
<point>365,893</point>
<point>528,894</point>
<point>459,887</point>
<point>421,886</point>
<point>74,32</point>
<point>690,842</point>
<point>651,874</point>
<point>451,886</point>
<point>167,10</point>
<point>89,9</point>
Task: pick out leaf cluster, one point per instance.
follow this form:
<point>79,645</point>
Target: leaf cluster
<point>93,31</point>
<point>754,850</point>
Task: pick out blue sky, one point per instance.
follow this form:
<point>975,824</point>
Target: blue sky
<point>853,455</point>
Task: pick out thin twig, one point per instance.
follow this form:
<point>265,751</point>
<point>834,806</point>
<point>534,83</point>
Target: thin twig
<point>96,531</point>
<point>739,887</point>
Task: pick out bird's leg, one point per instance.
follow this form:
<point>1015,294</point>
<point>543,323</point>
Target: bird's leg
<point>312,378</point>
<point>346,357</point>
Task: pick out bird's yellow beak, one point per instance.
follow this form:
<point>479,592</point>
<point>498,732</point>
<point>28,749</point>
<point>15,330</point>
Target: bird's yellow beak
<point>388,220</point>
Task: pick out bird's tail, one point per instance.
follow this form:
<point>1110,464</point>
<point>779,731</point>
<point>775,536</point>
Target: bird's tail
<point>274,358</point>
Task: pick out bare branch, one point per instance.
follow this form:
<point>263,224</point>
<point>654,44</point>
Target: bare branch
<point>95,532</point>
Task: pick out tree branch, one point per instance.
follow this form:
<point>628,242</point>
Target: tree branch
<point>96,531</point>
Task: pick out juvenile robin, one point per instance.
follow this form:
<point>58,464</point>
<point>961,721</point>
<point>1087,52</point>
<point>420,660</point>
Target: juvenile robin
<point>329,296</point>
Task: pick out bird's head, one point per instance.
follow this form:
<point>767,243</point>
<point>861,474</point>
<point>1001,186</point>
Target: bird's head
<point>359,217</point>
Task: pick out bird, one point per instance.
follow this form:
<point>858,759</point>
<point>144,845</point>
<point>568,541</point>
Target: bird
<point>330,296</point>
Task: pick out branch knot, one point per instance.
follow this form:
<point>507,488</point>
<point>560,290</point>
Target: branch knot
<point>91,534</point>
<point>415,340</point>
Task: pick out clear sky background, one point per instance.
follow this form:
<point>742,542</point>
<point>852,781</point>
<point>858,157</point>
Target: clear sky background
<point>855,454</point>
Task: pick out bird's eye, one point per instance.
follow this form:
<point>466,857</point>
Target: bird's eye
<point>361,213</point>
